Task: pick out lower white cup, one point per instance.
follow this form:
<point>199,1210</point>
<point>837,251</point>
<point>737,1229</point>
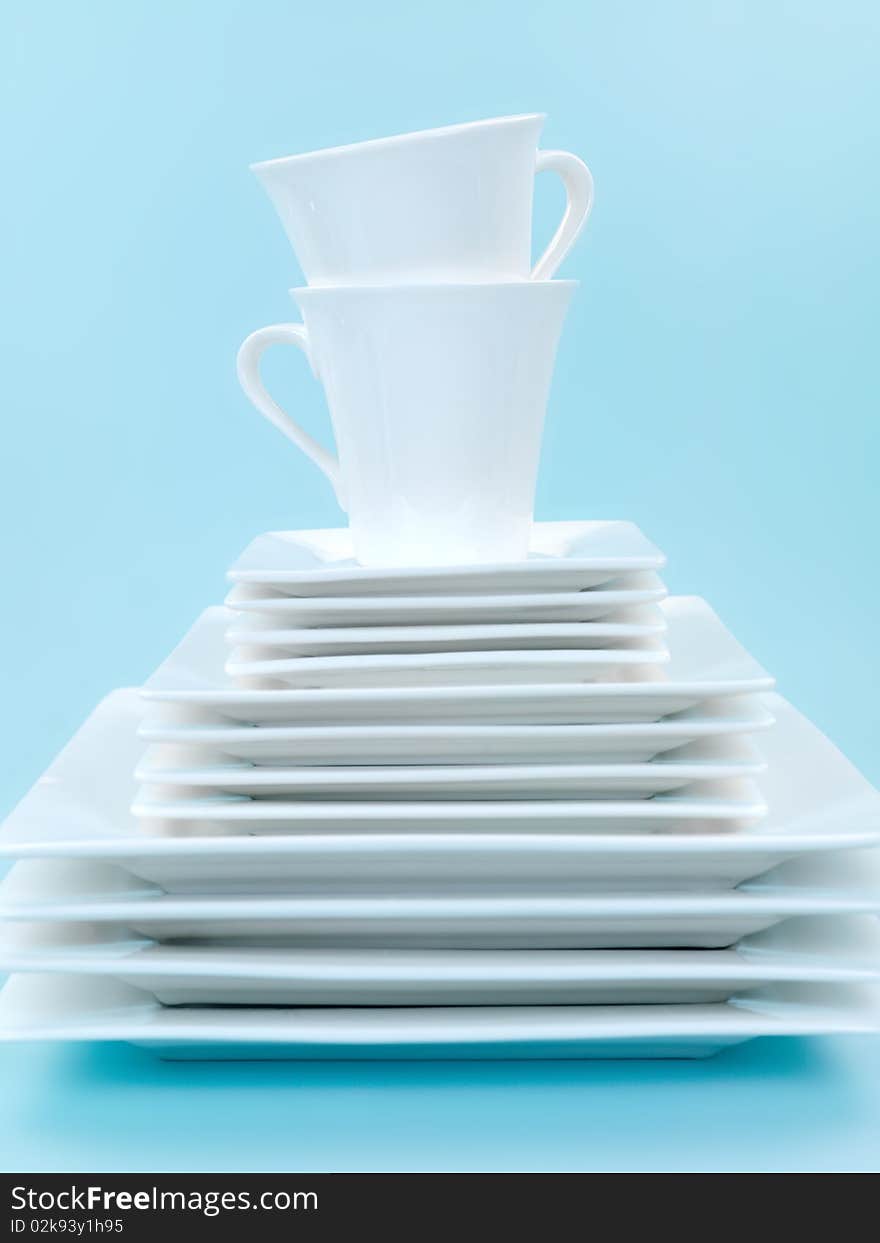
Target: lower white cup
<point>437,395</point>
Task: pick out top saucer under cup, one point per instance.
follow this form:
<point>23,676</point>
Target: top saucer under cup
<point>563,556</point>
<point>441,205</point>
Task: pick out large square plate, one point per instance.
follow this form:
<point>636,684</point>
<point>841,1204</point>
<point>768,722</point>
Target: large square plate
<point>837,949</point>
<point>459,744</point>
<point>200,769</point>
<point>80,1008</point>
<point>386,914</point>
<point>813,801</point>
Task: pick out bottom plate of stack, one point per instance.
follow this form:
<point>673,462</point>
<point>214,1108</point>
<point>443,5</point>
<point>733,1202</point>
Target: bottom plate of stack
<point>80,1008</point>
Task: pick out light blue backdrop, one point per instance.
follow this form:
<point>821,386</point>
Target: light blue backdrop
<point>717,383</point>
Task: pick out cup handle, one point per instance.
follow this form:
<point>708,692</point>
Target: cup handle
<point>578,182</point>
<point>248,367</point>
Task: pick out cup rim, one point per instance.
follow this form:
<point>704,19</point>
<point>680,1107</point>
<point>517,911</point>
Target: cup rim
<point>393,140</point>
<point>402,288</point>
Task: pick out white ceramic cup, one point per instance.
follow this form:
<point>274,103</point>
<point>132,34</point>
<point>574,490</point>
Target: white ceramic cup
<point>437,396</point>
<point>450,204</point>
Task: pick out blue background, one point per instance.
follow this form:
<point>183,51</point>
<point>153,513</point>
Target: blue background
<point>717,383</point>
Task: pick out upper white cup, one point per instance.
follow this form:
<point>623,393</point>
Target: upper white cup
<point>437,395</point>
<point>446,205</point>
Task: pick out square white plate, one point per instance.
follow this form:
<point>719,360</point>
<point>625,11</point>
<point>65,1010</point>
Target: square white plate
<point>707,836</point>
<point>458,744</point>
<point>563,556</point>
<point>628,627</point>
<point>256,667</point>
<point>705,661</point>
<point>833,950</point>
<point>78,1008</point>
<point>603,603</point>
<point>197,769</point>
<point>492,916</point>
<point>703,807</point>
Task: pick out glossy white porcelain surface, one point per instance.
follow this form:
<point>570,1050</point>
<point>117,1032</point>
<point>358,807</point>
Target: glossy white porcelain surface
<point>561,556</point>
<point>201,769</point>
<point>451,204</point>
<point>705,661</point>
<point>258,666</point>
<point>835,949</point>
<point>705,806</point>
<point>458,744</point>
<point>628,627</point>
<point>387,915</point>
<point>50,1008</point>
<point>604,604</point>
<point>437,395</point>
<point>710,835</point>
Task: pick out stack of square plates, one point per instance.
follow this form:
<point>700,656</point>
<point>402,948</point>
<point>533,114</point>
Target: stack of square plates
<point>535,809</point>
